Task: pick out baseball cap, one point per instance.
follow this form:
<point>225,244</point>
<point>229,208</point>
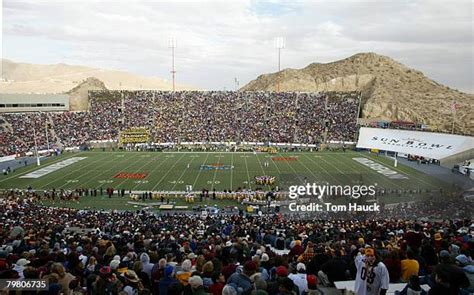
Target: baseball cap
<point>281,271</point>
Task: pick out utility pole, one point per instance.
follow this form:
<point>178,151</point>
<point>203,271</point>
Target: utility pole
<point>236,84</point>
<point>46,133</point>
<point>36,148</point>
<point>453,109</point>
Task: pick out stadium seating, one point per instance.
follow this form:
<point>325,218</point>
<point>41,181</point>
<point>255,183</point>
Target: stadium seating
<point>190,116</point>
<point>106,252</point>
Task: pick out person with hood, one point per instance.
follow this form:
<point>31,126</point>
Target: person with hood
<point>241,281</point>
<point>19,267</point>
<point>147,266</point>
<point>464,262</point>
<point>167,280</point>
<point>157,273</point>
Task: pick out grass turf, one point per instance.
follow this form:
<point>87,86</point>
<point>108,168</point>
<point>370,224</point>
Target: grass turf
<point>173,171</point>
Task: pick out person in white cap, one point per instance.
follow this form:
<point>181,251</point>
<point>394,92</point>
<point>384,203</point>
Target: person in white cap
<point>20,267</point>
<point>299,278</point>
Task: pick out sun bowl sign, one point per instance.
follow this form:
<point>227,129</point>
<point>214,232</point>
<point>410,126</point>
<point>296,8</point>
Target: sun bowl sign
<point>425,144</point>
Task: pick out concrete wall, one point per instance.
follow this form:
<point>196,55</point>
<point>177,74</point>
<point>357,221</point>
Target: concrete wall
<point>450,161</point>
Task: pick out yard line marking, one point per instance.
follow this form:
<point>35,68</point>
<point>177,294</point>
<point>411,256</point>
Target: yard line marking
<point>199,173</point>
<point>181,176</point>
<point>302,163</point>
<point>322,168</point>
<point>36,167</point>
<point>335,167</point>
<point>79,168</point>
<point>151,161</point>
<point>296,173</point>
<point>398,169</point>
<point>231,170</point>
<point>384,179</point>
<point>96,177</point>
<point>248,175</point>
<point>215,172</point>
<point>52,168</point>
<point>276,166</point>
<point>169,170</point>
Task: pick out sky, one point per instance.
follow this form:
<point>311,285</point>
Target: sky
<point>219,42</point>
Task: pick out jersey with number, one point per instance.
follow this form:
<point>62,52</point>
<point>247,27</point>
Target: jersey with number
<point>370,279</point>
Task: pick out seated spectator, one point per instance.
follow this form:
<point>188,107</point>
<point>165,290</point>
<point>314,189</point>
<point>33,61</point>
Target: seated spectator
<point>412,288</point>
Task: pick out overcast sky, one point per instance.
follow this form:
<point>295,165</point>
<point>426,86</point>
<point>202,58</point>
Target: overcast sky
<point>218,41</point>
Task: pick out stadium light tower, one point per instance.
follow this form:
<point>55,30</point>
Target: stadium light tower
<point>279,45</point>
<point>36,148</point>
<point>172,44</point>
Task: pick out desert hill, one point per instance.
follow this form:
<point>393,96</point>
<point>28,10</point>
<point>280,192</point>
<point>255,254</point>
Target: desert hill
<point>78,96</point>
<point>60,78</point>
<point>390,90</point>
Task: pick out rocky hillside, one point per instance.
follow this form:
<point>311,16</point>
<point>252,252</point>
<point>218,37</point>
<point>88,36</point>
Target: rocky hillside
<point>78,96</point>
<point>390,90</point>
<point>59,78</point>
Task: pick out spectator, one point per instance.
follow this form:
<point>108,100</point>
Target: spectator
<point>409,266</point>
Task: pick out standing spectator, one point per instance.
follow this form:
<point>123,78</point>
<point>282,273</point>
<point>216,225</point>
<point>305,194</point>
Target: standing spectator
<point>167,280</point>
<point>409,266</point>
<point>372,275</point>
<point>299,279</point>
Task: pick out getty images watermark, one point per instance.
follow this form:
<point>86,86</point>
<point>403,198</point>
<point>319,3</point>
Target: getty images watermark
<point>322,191</point>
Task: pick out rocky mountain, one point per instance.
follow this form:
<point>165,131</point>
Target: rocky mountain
<point>390,90</point>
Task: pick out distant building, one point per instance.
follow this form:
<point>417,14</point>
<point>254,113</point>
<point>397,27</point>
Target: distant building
<point>20,103</point>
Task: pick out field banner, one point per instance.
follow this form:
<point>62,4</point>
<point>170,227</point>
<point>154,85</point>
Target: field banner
<point>426,144</point>
<point>134,135</point>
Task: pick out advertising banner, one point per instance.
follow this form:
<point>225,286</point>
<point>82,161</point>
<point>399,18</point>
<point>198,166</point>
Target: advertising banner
<point>426,144</point>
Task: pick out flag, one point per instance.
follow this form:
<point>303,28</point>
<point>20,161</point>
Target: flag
<point>454,106</point>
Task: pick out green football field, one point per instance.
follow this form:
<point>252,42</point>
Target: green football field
<point>173,171</point>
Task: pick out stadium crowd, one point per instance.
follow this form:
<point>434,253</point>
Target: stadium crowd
<point>189,116</point>
<point>97,252</point>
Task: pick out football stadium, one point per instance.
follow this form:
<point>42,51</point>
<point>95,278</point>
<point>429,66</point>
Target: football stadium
<point>353,176</point>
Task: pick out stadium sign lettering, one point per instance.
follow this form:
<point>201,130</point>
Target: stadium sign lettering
<point>380,168</point>
<point>216,167</point>
<point>425,144</point>
<point>52,168</point>
<point>412,143</point>
<point>125,175</point>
